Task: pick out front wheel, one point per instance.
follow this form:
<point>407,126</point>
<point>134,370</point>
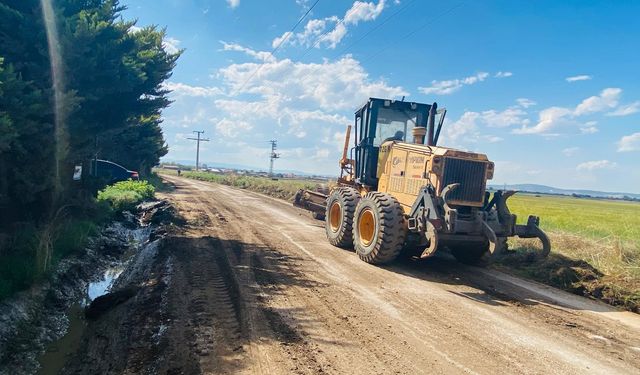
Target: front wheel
<point>379,228</point>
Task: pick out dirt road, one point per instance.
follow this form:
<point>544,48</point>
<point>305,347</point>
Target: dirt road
<point>253,287</point>
<point>279,299</point>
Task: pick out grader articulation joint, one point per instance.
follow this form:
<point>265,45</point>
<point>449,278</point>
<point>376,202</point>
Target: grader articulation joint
<point>395,193</point>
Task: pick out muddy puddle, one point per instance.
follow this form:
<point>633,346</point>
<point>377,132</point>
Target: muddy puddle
<point>57,352</point>
<point>44,328</point>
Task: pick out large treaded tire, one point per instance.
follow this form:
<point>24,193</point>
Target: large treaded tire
<point>339,224</point>
<point>379,228</point>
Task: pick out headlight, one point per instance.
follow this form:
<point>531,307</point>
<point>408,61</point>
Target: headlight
<point>436,164</point>
<point>490,167</point>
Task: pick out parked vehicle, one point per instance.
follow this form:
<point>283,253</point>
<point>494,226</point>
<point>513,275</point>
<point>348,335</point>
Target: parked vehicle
<point>111,172</point>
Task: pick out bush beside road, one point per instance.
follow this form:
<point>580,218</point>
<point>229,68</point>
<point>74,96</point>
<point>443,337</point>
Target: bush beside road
<point>32,252</point>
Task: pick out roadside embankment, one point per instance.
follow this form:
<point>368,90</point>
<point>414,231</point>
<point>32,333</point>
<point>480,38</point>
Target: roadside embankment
<point>41,325</point>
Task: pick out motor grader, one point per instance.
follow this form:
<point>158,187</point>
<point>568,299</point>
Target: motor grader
<point>398,191</point>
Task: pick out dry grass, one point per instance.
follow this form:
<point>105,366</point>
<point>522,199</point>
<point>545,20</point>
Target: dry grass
<point>603,269</point>
<point>595,246</point>
<point>281,188</point>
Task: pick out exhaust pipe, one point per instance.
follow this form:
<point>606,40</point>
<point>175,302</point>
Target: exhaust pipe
<point>431,125</point>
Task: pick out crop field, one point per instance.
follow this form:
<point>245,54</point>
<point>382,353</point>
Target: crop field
<point>595,246</point>
<point>600,220</point>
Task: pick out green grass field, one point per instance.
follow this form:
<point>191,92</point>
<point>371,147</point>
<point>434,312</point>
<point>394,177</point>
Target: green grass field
<point>596,219</point>
<point>595,246</point>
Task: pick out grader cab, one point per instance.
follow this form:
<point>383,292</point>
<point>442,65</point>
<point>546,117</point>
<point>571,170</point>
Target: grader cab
<point>398,189</point>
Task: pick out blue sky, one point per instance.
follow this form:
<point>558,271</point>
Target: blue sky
<point>549,90</point>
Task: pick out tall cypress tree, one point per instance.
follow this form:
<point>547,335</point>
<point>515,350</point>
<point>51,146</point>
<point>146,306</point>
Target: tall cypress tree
<point>113,95</point>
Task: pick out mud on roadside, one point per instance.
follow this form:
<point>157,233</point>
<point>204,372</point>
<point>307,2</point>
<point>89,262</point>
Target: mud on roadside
<point>36,325</point>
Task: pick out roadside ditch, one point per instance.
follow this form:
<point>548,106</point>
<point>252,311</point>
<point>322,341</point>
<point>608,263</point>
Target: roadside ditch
<point>42,327</point>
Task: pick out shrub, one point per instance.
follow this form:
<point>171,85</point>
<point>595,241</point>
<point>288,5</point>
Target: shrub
<point>125,195</point>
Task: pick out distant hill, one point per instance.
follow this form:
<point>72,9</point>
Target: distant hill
<point>534,188</point>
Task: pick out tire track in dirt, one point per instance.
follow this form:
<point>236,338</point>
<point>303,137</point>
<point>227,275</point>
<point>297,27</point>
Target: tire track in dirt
<point>291,348</point>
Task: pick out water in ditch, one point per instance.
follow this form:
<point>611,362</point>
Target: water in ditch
<point>57,352</point>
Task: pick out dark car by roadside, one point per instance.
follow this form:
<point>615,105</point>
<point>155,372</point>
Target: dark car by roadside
<point>111,172</point>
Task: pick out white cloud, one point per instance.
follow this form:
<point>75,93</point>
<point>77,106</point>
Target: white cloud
<point>570,151</point>
<point>508,117</point>
<point>547,119</point>
<point>493,138</point>
<point>182,89</point>
<point>171,45</point>
<point>607,99</point>
<point>629,143</point>
<point>582,77</point>
<point>589,127</point>
<point>552,117</point>
<point>233,3</point>
<point>465,128</point>
<point>330,85</point>
<point>626,110</point>
<point>334,36</point>
<point>232,128</point>
<point>453,85</point>
<point>321,154</point>
<point>525,103</point>
<point>313,29</point>
<point>330,31</point>
<point>258,55</point>
<point>595,165</point>
<point>468,128</point>
<point>304,103</point>
<point>363,11</point>
<point>503,74</point>
<point>134,29</point>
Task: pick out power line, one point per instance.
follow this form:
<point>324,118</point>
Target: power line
<point>198,140</point>
<point>294,27</point>
<point>377,26</point>
<point>306,52</point>
<point>277,47</point>
<point>428,23</point>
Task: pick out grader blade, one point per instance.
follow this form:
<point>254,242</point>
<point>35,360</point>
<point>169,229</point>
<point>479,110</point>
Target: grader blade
<point>532,230</point>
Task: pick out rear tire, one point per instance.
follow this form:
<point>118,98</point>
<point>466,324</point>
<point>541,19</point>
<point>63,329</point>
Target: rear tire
<point>379,228</point>
<point>338,223</point>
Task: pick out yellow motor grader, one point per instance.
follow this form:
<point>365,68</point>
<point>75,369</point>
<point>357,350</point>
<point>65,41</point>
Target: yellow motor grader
<point>403,191</point>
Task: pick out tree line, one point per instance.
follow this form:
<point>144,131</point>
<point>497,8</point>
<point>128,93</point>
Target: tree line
<point>107,102</point>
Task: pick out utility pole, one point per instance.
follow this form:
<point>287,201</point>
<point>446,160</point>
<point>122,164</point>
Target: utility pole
<point>273,156</point>
<point>198,146</point>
